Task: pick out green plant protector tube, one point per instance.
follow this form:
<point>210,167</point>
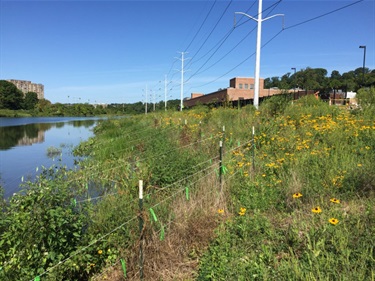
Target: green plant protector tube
<point>153,215</point>
<point>123,265</point>
<point>239,143</point>
<point>187,193</point>
<point>162,233</point>
<point>224,169</point>
<point>37,278</point>
<point>87,186</point>
<point>74,202</point>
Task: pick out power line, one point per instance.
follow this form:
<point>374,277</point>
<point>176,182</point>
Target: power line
<point>213,29</point>
<point>323,15</point>
<point>242,62</point>
<point>272,7</point>
<point>209,12</point>
<point>289,27</point>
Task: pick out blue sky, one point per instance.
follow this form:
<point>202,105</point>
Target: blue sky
<point>108,51</point>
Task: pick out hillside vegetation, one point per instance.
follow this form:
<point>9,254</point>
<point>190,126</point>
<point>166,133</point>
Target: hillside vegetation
<point>294,201</point>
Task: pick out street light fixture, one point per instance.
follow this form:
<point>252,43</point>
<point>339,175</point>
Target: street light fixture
<point>294,88</point>
<point>364,62</point>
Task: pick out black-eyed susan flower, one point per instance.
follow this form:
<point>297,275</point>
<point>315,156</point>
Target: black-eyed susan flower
<point>316,210</point>
<point>220,211</point>
<point>242,211</point>
<point>334,200</point>
<point>297,195</point>
<point>333,221</point>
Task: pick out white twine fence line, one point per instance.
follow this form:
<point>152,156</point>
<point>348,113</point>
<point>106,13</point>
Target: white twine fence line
<point>112,231</point>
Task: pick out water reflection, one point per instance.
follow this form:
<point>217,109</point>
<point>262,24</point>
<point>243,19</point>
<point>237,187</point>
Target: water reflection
<point>27,146</point>
<point>29,134</point>
<point>21,135</point>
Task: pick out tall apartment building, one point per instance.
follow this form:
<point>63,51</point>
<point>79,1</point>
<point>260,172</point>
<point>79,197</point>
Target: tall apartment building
<point>27,86</point>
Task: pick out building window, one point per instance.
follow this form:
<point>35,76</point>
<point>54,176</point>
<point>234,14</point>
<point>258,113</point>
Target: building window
<point>246,86</point>
<point>240,85</point>
<point>251,86</point>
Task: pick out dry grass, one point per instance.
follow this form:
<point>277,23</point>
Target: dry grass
<point>186,237</point>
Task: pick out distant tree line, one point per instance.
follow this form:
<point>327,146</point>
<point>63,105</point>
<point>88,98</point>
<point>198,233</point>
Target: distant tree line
<point>306,79</point>
<point>13,99</point>
<point>318,79</point>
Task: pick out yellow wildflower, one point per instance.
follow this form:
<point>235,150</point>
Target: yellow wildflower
<point>334,221</point>
<point>242,211</point>
<point>220,211</point>
<point>100,252</point>
<point>316,210</point>
<point>334,200</point>
<point>297,195</point>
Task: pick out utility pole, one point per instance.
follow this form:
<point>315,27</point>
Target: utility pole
<point>153,99</point>
<point>182,80</point>
<point>165,92</point>
<point>146,101</point>
<point>258,44</point>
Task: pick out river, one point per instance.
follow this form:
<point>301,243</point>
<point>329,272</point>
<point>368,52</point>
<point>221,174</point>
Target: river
<point>28,144</point>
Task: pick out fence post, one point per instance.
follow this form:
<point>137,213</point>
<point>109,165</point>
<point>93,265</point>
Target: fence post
<point>221,166</point>
<point>253,148</point>
<point>141,229</point>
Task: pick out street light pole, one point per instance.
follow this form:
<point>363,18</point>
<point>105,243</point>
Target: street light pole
<point>364,62</point>
<point>294,82</point>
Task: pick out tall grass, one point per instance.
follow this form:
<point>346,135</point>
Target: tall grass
<point>303,211</point>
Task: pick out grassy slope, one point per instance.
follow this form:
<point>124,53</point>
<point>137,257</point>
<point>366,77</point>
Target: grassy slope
<point>263,232</point>
<point>304,211</point>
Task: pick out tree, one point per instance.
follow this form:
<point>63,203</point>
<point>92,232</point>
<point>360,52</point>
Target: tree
<point>366,97</point>
<point>43,105</point>
<point>285,82</point>
<point>335,75</point>
<point>30,101</point>
<point>312,78</point>
<point>10,96</point>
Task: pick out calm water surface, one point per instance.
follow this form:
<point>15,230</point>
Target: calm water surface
<point>24,143</point>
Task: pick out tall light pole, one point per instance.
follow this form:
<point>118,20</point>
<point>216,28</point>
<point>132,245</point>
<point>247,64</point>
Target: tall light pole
<point>364,63</point>
<point>294,83</point>
<point>258,44</point>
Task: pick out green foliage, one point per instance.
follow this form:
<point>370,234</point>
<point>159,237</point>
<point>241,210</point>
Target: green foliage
<point>276,104</point>
<point>366,98</point>
<point>10,96</point>
<point>307,147</point>
<point>41,227</point>
<point>324,153</point>
<point>30,100</point>
<point>317,79</point>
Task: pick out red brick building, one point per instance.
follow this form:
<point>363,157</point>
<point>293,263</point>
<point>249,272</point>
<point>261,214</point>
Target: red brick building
<point>240,90</point>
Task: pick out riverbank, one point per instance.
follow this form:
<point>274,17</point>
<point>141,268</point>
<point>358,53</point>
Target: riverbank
<point>285,205</point>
